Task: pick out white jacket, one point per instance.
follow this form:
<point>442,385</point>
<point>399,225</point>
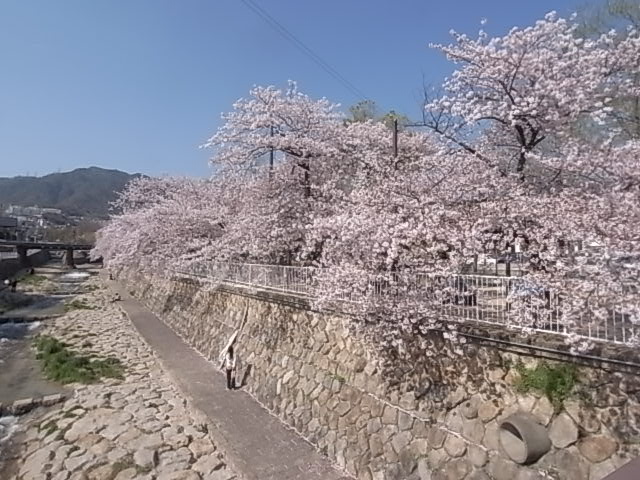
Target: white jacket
<point>229,362</point>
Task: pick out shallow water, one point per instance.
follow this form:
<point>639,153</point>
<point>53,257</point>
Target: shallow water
<point>10,334</point>
<point>16,331</point>
<point>20,371</point>
<point>8,425</point>
<point>75,275</point>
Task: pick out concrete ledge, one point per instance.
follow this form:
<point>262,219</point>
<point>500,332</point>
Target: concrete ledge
<point>21,320</point>
<point>25,405</point>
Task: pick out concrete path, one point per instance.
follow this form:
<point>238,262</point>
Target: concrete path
<point>256,443</point>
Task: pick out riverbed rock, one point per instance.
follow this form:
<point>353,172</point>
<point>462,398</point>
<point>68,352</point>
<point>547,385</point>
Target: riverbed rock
<point>49,400</point>
<point>146,458</point>
<point>20,407</point>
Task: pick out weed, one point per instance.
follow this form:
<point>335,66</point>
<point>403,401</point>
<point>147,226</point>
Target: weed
<point>33,280</point>
<point>49,427</point>
<point>78,305</point>
<point>556,382</point>
<point>66,366</point>
<point>339,378</point>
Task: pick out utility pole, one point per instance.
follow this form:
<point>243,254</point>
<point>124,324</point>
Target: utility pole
<point>395,137</point>
<point>271,157</point>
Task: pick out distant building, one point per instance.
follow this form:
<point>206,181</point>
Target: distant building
<point>33,221</point>
<point>8,228</point>
<point>33,211</point>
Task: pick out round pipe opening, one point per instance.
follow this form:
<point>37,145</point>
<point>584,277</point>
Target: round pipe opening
<point>523,439</point>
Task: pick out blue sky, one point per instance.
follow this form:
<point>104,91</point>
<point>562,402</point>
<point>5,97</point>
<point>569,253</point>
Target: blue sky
<point>139,85</point>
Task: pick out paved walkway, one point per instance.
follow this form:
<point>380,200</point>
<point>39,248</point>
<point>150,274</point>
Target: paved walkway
<point>256,443</point>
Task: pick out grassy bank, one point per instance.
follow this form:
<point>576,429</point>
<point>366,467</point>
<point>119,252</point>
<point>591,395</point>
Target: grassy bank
<point>78,305</point>
<point>32,280</point>
<point>63,365</point>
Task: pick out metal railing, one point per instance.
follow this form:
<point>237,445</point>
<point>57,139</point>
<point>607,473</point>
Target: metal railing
<point>512,302</point>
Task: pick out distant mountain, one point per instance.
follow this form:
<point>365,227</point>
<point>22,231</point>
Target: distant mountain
<point>83,192</point>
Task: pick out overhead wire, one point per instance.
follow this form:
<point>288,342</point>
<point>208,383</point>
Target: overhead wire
<point>300,45</point>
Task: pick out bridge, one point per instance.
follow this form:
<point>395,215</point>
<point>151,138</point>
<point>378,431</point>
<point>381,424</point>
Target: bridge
<point>22,247</point>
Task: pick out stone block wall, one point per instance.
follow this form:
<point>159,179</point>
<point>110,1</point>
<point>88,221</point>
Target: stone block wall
<point>420,412</point>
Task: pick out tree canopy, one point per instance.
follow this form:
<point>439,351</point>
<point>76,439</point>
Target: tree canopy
<point>500,164</point>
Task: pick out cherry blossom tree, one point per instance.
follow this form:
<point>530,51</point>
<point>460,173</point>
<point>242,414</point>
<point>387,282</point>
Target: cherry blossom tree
<point>282,144</point>
<point>505,126</point>
<point>292,123</point>
<point>392,233</point>
<point>164,223</point>
<point>530,85</point>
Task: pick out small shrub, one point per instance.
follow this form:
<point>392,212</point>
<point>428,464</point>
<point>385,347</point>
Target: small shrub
<point>556,382</point>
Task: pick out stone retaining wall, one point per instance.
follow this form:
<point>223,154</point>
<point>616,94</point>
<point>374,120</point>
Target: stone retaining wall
<point>420,412</point>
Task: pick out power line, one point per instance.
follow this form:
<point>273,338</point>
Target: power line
<point>282,30</point>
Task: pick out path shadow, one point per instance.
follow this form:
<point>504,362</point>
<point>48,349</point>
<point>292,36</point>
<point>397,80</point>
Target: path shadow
<point>245,377</point>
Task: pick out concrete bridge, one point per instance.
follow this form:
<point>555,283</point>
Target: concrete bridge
<point>22,248</point>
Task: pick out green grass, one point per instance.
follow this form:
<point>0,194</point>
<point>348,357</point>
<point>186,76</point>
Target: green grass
<point>33,280</point>
<point>50,427</point>
<point>556,382</point>
<point>67,366</point>
<point>78,305</point>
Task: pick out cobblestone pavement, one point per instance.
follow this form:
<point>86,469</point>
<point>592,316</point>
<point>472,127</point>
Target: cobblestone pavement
<point>137,428</point>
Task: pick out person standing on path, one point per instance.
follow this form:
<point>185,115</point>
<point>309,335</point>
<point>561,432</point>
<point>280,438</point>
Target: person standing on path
<point>230,366</point>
